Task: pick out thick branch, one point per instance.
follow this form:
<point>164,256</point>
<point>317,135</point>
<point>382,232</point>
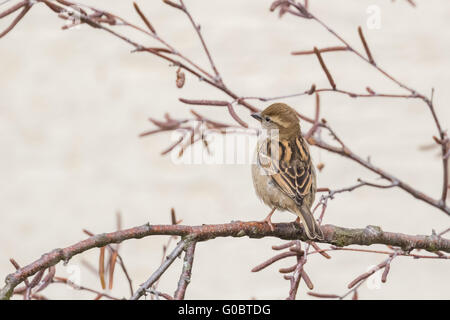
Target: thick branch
<point>289,231</point>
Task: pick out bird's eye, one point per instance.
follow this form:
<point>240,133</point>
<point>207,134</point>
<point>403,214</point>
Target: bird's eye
<point>267,119</point>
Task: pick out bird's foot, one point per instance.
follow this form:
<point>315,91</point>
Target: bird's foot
<point>268,220</point>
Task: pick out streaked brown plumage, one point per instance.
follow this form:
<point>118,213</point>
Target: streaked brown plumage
<point>283,175</point>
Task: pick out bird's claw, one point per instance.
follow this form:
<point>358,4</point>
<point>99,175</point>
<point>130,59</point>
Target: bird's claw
<point>269,222</point>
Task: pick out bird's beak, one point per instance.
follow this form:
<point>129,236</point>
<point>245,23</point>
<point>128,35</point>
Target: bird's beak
<point>257,116</point>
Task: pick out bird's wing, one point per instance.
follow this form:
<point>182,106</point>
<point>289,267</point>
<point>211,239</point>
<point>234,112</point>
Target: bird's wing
<point>289,165</point>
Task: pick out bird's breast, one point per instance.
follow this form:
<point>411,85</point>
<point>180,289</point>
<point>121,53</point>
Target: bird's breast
<point>268,191</point>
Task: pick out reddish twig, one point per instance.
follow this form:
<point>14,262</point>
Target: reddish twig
<point>26,8</point>
<point>101,268</point>
<point>120,259</point>
<point>366,47</point>
<point>268,262</point>
<point>327,49</point>
<point>356,283</point>
<point>219,104</point>
<point>320,251</point>
<point>284,245</point>
<point>13,9</point>
<point>325,69</point>
<point>144,18</point>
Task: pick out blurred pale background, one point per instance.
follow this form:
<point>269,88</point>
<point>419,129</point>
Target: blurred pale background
<point>73,103</point>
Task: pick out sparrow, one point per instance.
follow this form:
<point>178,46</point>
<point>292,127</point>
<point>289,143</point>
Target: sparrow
<point>283,173</point>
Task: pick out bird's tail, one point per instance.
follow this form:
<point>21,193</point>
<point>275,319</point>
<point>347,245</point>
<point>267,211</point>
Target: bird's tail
<point>312,229</point>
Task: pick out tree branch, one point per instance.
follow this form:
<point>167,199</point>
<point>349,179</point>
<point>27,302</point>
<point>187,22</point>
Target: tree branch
<point>289,231</point>
<point>185,277</point>
<point>164,266</point>
<point>444,139</point>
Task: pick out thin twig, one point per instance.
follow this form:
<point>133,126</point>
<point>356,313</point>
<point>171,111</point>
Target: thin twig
<point>327,49</point>
<point>143,17</point>
<point>202,40</point>
<point>185,277</point>
<point>155,276</point>
<point>325,69</point>
<point>366,47</point>
<point>17,19</point>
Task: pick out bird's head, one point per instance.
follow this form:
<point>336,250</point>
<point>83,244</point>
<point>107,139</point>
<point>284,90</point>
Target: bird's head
<point>281,117</point>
